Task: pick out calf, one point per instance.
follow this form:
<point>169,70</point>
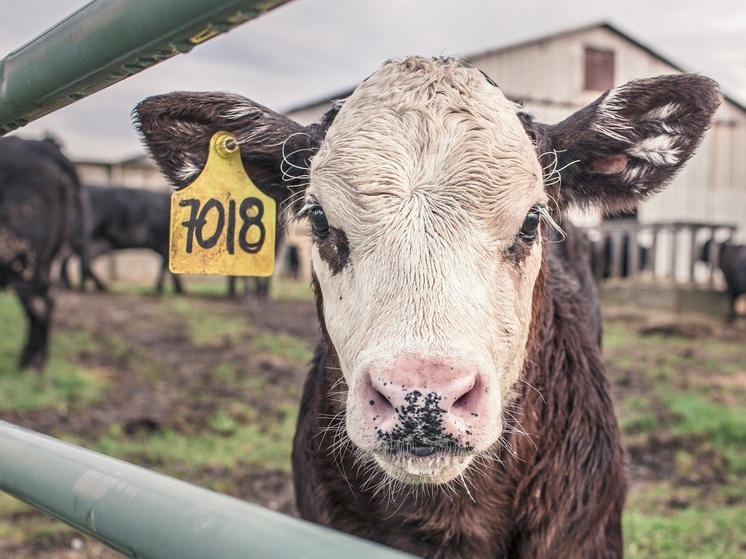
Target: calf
<point>37,187</point>
<point>731,259</point>
<point>123,218</point>
<point>457,404</point>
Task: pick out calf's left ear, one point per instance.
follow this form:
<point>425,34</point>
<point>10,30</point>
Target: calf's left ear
<point>176,129</point>
<point>632,140</point>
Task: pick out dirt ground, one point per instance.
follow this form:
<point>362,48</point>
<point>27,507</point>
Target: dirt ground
<point>153,334</point>
<point>140,401</point>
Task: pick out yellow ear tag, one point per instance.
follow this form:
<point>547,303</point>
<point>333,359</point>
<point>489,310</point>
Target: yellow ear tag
<point>222,223</point>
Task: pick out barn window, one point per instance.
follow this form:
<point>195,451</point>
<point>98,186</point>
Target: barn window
<point>599,69</point>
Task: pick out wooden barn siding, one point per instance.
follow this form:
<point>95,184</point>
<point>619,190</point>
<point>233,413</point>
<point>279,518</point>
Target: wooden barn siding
<point>552,70</point>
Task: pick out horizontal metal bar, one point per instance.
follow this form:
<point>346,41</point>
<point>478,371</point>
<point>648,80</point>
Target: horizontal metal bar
<point>146,515</point>
<point>103,43</point>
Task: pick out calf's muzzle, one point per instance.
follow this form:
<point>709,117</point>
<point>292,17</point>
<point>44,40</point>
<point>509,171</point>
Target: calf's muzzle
<point>421,406</point>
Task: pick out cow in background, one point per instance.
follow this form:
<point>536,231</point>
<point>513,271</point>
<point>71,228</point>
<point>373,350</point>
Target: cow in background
<point>122,218</point>
<point>731,259</point>
<point>37,187</point>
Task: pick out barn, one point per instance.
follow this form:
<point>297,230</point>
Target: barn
<point>553,76</point>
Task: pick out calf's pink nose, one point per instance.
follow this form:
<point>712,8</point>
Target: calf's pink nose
<point>424,402</point>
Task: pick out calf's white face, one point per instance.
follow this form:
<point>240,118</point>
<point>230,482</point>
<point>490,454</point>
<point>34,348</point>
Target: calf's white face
<point>424,199</point>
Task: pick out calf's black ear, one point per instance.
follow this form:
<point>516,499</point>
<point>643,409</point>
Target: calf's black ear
<point>176,129</point>
<point>632,140</point>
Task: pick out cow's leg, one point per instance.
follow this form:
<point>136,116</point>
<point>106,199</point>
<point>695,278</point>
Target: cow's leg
<point>38,304</point>
<point>100,285</point>
<point>262,287</point>
<point>178,287</point>
<point>732,314</point>
<point>159,286</point>
<point>234,283</point>
<point>161,279</point>
<point>64,274</point>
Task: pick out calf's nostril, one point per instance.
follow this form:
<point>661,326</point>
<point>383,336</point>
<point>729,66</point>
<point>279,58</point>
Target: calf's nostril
<point>378,401</point>
<point>469,400</point>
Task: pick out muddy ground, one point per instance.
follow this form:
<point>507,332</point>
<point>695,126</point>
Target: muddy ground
<point>154,334</point>
<point>154,337</point>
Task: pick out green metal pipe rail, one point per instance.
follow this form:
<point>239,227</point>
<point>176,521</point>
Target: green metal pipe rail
<point>146,515</point>
<point>140,513</point>
<point>103,43</point>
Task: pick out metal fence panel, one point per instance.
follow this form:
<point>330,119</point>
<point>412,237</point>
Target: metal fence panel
<point>105,42</point>
<point>146,515</point>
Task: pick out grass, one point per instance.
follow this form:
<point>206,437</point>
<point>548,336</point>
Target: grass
<point>721,424</point>
<point>207,328</point>
<point>225,442</point>
<point>64,386</point>
<point>234,440</point>
<point>682,393</point>
<point>686,534</point>
<point>280,345</point>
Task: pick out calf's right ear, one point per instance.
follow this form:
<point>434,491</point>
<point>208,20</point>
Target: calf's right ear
<point>176,129</point>
<point>632,140</point>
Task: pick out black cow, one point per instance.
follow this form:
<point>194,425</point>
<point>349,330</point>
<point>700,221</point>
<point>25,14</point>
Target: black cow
<point>731,259</point>
<point>123,218</point>
<point>37,187</point>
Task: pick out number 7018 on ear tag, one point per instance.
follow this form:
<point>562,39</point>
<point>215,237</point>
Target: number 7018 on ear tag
<point>222,223</point>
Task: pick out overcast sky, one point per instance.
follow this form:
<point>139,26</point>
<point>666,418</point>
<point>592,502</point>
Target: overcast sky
<point>309,49</point>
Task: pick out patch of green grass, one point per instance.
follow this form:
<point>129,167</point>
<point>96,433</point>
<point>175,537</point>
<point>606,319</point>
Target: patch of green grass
<point>10,506</point>
<point>686,534</point>
<point>209,328</point>
<point>617,335</point>
<point>62,385</point>
<point>282,345</point>
<point>724,425</point>
<point>291,290</point>
<point>228,375</point>
<point>227,441</point>
<point>636,416</point>
<point>217,287</point>
<point>676,388</point>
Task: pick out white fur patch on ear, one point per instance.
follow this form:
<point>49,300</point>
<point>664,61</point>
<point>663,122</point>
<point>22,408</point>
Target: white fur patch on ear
<point>663,112</point>
<point>242,110</point>
<point>188,171</point>
<point>635,175</point>
<point>657,150</point>
<point>609,122</point>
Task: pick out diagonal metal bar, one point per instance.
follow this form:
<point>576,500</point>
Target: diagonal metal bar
<point>146,515</point>
<point>103,43</point>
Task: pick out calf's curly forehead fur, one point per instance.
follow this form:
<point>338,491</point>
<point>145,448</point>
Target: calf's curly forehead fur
<point>456,140</point>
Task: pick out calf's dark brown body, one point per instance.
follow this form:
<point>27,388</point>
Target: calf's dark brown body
<point>560,492</point>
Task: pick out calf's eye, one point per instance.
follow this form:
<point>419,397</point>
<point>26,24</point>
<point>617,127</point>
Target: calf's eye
<point>319,222</point>
<point>531,224</point>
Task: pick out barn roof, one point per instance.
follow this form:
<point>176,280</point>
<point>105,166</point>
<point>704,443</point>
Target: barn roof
<point>534,41</point>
